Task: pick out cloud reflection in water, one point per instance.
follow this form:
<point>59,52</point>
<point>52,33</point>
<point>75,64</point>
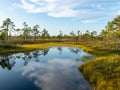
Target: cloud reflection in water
<point>56,74</point>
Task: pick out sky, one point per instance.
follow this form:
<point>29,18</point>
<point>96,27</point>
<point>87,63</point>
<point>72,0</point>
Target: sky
<point>64,15</point>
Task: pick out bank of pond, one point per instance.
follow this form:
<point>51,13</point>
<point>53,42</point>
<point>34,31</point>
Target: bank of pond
<point>59,67</point>
<point>53,68</point>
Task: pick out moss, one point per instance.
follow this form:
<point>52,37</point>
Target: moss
<point>103,73</point>
<point>30,47</point>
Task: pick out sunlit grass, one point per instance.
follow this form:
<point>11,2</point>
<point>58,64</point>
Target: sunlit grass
<point>29,47</point>
<point>103,72</point>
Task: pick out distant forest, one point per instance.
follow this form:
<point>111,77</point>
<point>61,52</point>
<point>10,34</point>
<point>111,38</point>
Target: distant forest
<point>109,37</point>
<point>103,73</point>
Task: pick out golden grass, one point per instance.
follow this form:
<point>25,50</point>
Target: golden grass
<point>104,72</point>
<point>95,71</point>
<point>30,47</point>
<point>48,45</point>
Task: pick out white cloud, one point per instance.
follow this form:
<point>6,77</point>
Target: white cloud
<point>97,6</point>
<point>68,8</point>
<point>25,5</point>
<point>66,13</point>
<point>46,78</point>
<point>118,12</point>
<point>54,8</point>
<point>56,74</point>
<point>88,21</point>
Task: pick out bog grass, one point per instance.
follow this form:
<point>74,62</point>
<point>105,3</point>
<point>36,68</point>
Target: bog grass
<point>103,73</point>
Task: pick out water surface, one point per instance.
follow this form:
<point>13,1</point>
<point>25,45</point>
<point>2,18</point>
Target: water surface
<point>50,69</point>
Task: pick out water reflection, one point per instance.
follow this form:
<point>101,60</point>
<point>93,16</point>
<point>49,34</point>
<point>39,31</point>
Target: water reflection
<point>74,50</point>
<point>50,69</point>
<point>6,62</point>
<point>60,50</point>
<point>50,76</point>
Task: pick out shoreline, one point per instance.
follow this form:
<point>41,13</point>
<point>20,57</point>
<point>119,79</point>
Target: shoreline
<point>95,71</point>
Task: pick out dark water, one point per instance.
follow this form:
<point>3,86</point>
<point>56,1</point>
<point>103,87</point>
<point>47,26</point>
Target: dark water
<point>50,69</point>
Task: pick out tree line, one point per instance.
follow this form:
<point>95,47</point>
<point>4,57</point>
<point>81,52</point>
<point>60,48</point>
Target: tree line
<point>110,36</point>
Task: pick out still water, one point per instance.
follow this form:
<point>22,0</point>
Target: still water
<point>51,69</point>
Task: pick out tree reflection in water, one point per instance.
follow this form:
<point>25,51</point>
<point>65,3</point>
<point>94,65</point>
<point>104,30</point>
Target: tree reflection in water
<point>60,50</point>
<point>49,69</point>
<point>74,50</point>
<point>8,61</point>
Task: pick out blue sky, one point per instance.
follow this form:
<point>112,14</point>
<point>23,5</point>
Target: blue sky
<point>64,15</point>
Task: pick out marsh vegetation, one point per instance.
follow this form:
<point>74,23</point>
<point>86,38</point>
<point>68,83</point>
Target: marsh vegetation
<point>103,73</point>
